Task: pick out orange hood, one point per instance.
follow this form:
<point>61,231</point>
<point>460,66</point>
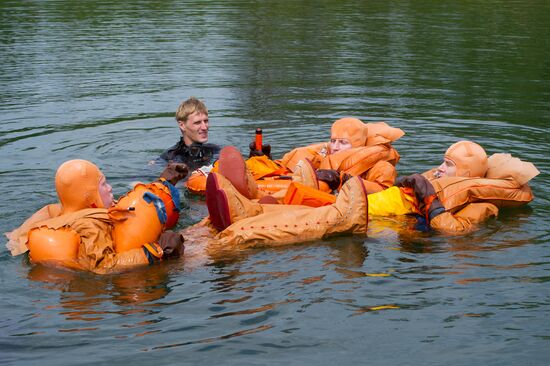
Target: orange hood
<point>470,159</point>
<point>77,185</point>
<point>349,128</point>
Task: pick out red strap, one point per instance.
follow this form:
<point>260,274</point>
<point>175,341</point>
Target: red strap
<point>154,249</point>
<point>427,204</point>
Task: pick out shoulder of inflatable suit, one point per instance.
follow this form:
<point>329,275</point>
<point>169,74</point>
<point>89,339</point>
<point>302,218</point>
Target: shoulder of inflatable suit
<point>310,152</point>
<point>382,133</point>
<point>358,160</point>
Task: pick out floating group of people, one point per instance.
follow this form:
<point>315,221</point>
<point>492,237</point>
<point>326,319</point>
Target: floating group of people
<point>311,193</point>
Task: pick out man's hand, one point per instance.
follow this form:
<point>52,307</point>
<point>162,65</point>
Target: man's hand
<point>266,150</point>
<point>171,244</point>
<point>424,191</point>
<point>174,172</point>
<point>422,187</point>
<point>330,177</point>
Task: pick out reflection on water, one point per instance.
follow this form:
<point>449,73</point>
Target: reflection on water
<point>101,80</point>
<point>82,294</point>
<point>211,340</point>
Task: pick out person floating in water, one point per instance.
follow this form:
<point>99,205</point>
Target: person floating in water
<point>465,190</point>
<point>87,230</point>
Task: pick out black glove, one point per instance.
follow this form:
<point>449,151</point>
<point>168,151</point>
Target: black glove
<point>174,172</point>
<point>171,244</point>
<point>345,177</point>
<point>266,150</point>
<point>330,177</point>
<point>424,192</point>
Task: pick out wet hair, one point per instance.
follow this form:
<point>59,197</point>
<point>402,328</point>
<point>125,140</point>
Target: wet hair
<point>189,107</point>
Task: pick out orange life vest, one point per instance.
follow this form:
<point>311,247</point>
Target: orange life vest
<point>455,192</point>
<point>171,198</point>
<point>144,221</point>
<point>53,245</point>
<point>359,160</point>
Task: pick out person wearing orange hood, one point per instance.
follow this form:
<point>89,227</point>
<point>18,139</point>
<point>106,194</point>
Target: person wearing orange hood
<point>355,149</point>
<point>80,232</point>
<point>465,190</point>
<point>469,187</point>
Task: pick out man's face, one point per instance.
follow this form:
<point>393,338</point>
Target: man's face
<point>195,129</point>
<point>105,193</point>
<point>447,169</point>
<point>337,145</point>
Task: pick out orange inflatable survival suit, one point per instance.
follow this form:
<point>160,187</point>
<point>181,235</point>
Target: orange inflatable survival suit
<point>369,154</point>
<point>479,187</point>
<point>81,233</point>
<point>464,191</point>
<point>245,224</point>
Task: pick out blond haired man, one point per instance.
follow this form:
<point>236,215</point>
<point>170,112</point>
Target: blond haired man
<point>193,148</point>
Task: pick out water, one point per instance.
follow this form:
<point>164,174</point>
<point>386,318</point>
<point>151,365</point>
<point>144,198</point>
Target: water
<point>102,80</point>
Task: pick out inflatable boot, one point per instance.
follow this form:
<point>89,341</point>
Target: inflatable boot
<point>225,202</point>
<point>304,173</point>
<point>232,166</point>
<point>349,214</point>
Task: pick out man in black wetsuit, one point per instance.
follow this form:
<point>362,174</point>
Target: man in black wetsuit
<point>193,148</point>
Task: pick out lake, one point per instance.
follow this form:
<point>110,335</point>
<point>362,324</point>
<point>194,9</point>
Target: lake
<point>101,80</point>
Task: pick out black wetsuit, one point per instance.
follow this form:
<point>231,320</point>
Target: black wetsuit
<point>195,156</point>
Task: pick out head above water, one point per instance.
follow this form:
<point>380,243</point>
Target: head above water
<point>80,184</point>
<point>192,118</point>
<point>464,159</point>
<point>347,133</point>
